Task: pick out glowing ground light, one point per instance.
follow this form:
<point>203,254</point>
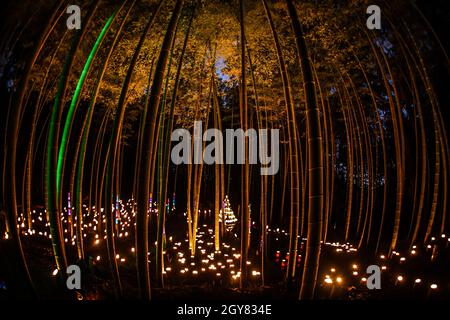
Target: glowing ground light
<point>220,265</point>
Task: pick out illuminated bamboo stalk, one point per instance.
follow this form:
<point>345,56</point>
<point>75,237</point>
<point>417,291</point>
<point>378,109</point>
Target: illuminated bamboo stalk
<point>217,194</point>
<point>354,133</point>
<point>172,108</point>
<point>314,164</point>
<point>64,143</point>
<point>404,47</point>
<point>96,158</point>
<point>285,171</point>
<point>243,108</point>
<point>423,162</point>
<point>356,114</point>
<point>36,114</point>
<point>332,160</point>
<point>160,177</point>
<point>367,146</point>
<point>163,150</point>
<point>82,144</point>
<point>326,154</point>
<point>198,171</point>
<point>293,149</point>
<point>140,132</point>
<point>112,160</point>
<point>13,126</point>
<point>193,211</point>
<point>220,165</point>
<point>384,153</point>
<point>437,172</point>
<point>445,164</point>
<point>143,190</point>
<point>53,188</point>
<point>349,193</point>
<point>398,139</point>
<point>263,183</point>
<point>66,134</point>
<point>438,119</point>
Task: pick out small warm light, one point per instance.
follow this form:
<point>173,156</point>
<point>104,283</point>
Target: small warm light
<point>355,273</point>
<point>363,279</point>
<point>434,286</point>
<point>328,280</point>
<point>382,256</point>
<point>333,270</point>
<point>413,252</point>
<point>355,266</point>
<point>339,280</point>
<point>98,258</point>
<point>418,281</point>
<point>402,259</point>
<point>55,272</point>
<point>400,278</point>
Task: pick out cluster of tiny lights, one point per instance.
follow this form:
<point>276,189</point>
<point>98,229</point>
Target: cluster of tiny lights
<point>209,264</point>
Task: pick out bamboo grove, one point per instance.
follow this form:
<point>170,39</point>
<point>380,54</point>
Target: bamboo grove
<point>88,116</point>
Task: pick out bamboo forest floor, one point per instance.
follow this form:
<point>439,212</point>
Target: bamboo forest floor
<point>211,275</point>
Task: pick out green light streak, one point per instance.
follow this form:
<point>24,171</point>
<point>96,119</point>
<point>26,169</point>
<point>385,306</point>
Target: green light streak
<point>74,102</point>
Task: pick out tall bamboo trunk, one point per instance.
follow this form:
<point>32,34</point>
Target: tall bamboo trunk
<point>149,133</point>
<point>314,163</point>
<point>53,181</point>
<point>293,148</point>
<point>11,156</point>
<point>245,215</point>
